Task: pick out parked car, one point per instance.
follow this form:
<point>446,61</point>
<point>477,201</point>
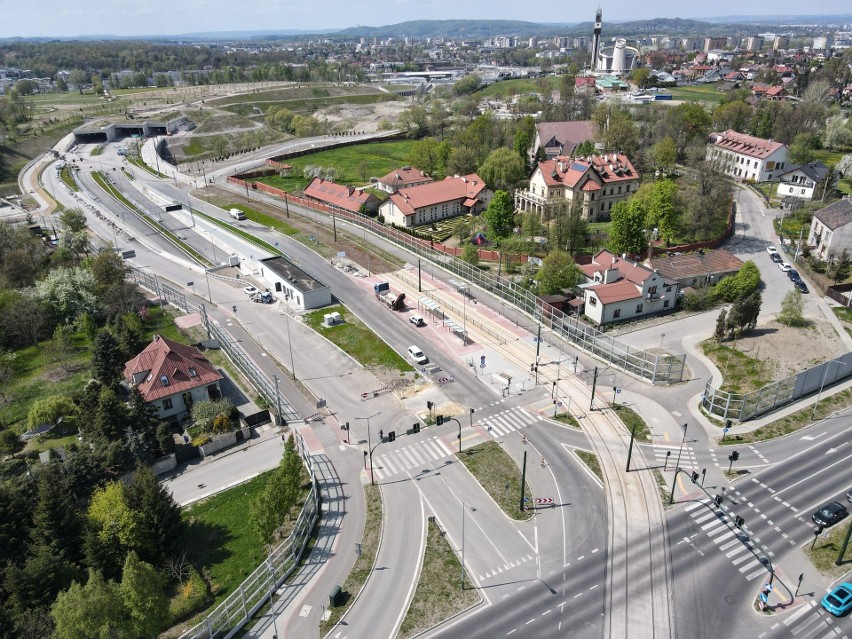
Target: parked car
<point>417,320</point>
<point>799,284</point>
<point>250,290</point>
<point>830,514</point>
<point>775,257</point>
<point>849,495</point>
<point>839,601</point>
<point>417,355</point>
<point>793,274</point>
<point>263,298</point>
<point>771,250</point>
<point>785,266</point>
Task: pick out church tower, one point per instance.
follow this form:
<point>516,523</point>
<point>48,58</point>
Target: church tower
<point>596,40</point>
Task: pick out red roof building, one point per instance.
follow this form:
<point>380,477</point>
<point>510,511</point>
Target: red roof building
<point>402,179</point>
<point>747,157</point>
<point>561,138</point>
<point>596,183</point>
<point>344,197</point>
<point>435,201</point>
<point>172,376</point>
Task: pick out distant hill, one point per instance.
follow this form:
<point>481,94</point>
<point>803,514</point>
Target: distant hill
<point>447,29</point>
<point>784,19</point>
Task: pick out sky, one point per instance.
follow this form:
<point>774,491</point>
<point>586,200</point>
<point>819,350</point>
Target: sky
<point>69,18</point>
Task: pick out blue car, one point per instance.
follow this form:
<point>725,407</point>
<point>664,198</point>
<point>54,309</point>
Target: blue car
<point>793,274</point>
<point>839,601</point>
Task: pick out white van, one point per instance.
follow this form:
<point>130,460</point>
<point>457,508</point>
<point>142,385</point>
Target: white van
<point>237,214</point>
<point>417,355</point>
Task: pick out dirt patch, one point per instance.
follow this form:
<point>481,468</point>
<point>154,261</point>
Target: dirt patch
<point>363,117</point>
<point>791,350</point>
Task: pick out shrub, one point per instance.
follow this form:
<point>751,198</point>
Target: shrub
<point>743,284</point>
<point>191,597</point>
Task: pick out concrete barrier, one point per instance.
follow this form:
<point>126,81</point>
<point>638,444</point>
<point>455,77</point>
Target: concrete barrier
<point>216,445</point>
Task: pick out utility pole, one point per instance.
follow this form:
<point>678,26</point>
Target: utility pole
<point>594,384</point>
<point>630,449</point>
<point>334,224</point>
<point>278,417</point>
<point>523,480</point>
<point>419,277</point>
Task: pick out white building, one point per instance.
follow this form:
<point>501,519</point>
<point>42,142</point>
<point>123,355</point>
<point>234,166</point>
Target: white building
<point>435,201</point>
<point>746,157</point>
<point>802,181</point>
<point>297,287</point>
<point>831,230</point>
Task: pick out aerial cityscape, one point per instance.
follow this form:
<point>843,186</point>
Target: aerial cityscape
<point>439,327</point>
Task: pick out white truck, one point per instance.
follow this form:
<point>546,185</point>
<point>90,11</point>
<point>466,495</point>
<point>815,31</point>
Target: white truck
<point>237,214</point>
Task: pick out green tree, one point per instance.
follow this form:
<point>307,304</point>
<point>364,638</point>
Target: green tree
<point>204,412</point>
<point>462,160</point>
<point>107,359</point>
<point>279,494</point>
<point>558,271</point>
<point>143,595</point>
<point>803,147</point>
<point>49,410</point>
<point>69,293</point>
<point>93,611</point>
<point>467,85</point>
<point>658,200</point>
<point>664,153</point>
<point>74,220</point>
<point>159,522</point>
<point>839,268</point>
<point>107,268</point>
<point>142,427</point>
<point>721,325</point>
<point>740,285</point>
<point>430,156</point>
<point>734,115</point>
<point>500,215</point>
<point>470,254</point>
<point>792,309</point>
<point>744,312</point>
<point>568,227</point>
<point>113,529</point>
<point>56,523</point>
<point>502,169</point>
<point>627,232</point>
<point>615,128</point>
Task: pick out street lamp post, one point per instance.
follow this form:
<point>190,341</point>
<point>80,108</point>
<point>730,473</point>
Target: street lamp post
<point>682,442</point>
<point>824,375</point>
<point>277,401</point>
<point>290,344</point>
<point>370,444</point>
<point>662,336</point>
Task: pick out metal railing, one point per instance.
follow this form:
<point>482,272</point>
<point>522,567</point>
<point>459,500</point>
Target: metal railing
<point>237,609</point>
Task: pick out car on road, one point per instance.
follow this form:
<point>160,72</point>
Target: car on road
<point>793,274</point>
<point>849,495</point>
<point>417,320</point>
<point>785,266</point>
<point>250,290</point>
<point>799,284</point>
<point>775,257</point>
<point>417,355</point>
<point>771,250</point>
<point>839,601</point>
<point>830,514</point>
<point>263,298</point>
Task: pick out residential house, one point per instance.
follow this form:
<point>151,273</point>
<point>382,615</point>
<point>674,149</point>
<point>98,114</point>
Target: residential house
<point>427,203</point>
<point>746,157</point>
<point>560,138</point>
<point>341,196</point>
<point>596,182</point>
<point>402,179</point>
<point>802,181</point>
<point>776,93</point>
<point>172,377</point>
<point>619,289</point>
<point>831,229</point>
<point>697,270</point>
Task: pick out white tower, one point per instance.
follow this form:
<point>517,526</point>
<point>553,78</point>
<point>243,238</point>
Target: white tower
<point>596,40</point>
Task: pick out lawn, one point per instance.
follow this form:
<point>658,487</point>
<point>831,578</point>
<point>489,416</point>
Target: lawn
<point>631,418</point>
<point>698,92</point>
<point>267,220</point>
<point>494,469</point>
<point>439,593</point>
<point>358,341</point>
<point>377,158</point>
<point>825,553</point>
<point>570,420</point>
<point>65,175</point>
<point>591,461</point>
<point>516,87</point>
<point>742,374</point>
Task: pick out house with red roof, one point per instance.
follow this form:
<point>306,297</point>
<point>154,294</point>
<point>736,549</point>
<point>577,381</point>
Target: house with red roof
<point>746,157</point>
<point>596,183</point>
<point>776,93</point>
<point>345,197</point>
<point>402,178</point>
<point>427,203</point>
<point>619,289</point>
<point>172,377</point>
<point>560,138</point>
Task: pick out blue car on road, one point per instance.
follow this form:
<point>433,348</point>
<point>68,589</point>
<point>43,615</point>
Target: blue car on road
<point>839,601</point>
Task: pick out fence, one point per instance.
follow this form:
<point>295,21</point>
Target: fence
<point>264,386</point>
<point>650,366</point>
<point>228,618</point>
<point>742,407</point>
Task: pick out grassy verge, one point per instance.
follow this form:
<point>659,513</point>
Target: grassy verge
<point>65,176</point>
<point>364,563</point>
<point>662,488</point>
<point>137,161</point>
<point>97,150</point>
<point>262,218</point>
<point>632,419</point>
<point>825,552</point>
<point>742,374</point>
<point>590,460</point>
<point>183,246</point>
<point>439,594</point>
<point>494,470</point>
<point>569,420</point>
<point>794,421</point>
<point>702,93</point>
<point>358,341</point>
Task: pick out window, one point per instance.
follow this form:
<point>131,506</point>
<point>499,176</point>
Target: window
<point>593,301</point>
<point>192,372</point>
<point>803,191</point>
<point>167,404</point>
<point>619,190</point>
<point>616,313</point>
<point>652,290</point>
<point>638,308</point>
<point>665,304</point>
<point>164,380</point>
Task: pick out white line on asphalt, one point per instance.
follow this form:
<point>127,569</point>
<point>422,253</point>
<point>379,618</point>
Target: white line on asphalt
<point>749,565</point>
<point>731,543</point>
<point>546,612</point>
<point>821,470</point>
<point>736,551</point>
<point>801,611</point>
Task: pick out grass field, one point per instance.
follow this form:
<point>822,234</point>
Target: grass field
<point>358,341</point>
<point>493,468</point>
<point>742,374</point>
<point>590,460</point>
<point>439,594</point>
<point>697,92</point>
<point>631,418</point>
<point>377,158</point>
<point>515,87</point>
<point>65,175</point>
<point>826,551</point>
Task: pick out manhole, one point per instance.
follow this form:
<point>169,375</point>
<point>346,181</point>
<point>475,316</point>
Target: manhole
<point>729,599</point>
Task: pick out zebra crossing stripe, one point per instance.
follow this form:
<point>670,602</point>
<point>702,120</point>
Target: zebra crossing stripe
<point>705,517</point>
<point>443,446</point>
<point>414,460</point>
<point>749,565</point>
<point>741,559</point>
<point>387,462</point>
<point>723,536</point>
<point>428,447</point>
<point>733,542</point>
<point>696,504</point>
<point>736,551</point>
<point>378,473</point>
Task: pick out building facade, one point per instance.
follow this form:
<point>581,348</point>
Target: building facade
<point>801,181</point>
<point>345,197</point>
<point>745,157</point>
<point>402,178</point>
<point>831,230</point>
<point>293,284</point>
<point>427,203</point>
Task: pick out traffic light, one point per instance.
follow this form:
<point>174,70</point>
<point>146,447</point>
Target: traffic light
<point>415,428</point>
<point>734,456</point>
<point>718,500</point>
<point>728,423</point>
<point>694,478</point>
<point>429,405</point>
<point>439,419</point>
<point>740,522</point>
<point>391,435</point>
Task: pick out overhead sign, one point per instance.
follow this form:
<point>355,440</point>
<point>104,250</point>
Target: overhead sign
<point>126,255</point>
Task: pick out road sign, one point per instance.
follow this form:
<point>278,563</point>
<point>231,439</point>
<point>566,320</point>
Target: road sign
<point>724,430</point>
<point>543,500</point>
<point>559,403</point>
<point>341,254</point>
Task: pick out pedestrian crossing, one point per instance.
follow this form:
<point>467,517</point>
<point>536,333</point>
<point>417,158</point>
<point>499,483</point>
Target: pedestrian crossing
<point>811,621</point>
<point>417,456</point>
<point>688,460</point>
<point>508,421</point>
<point>731,541</point>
